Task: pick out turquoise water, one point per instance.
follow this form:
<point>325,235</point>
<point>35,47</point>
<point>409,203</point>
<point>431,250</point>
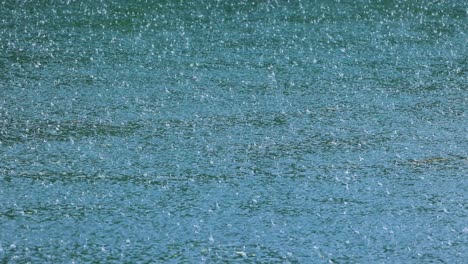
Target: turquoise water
<point>233,131</point>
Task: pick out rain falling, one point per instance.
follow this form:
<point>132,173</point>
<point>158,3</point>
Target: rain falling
<point>232,131</point>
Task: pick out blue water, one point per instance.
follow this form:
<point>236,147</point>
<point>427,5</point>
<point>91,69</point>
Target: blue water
<point>233,131</point>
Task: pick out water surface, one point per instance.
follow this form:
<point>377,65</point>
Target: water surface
<point>223,131</point>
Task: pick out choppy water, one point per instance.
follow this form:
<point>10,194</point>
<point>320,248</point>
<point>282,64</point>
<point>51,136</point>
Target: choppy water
<point>222,131</point>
